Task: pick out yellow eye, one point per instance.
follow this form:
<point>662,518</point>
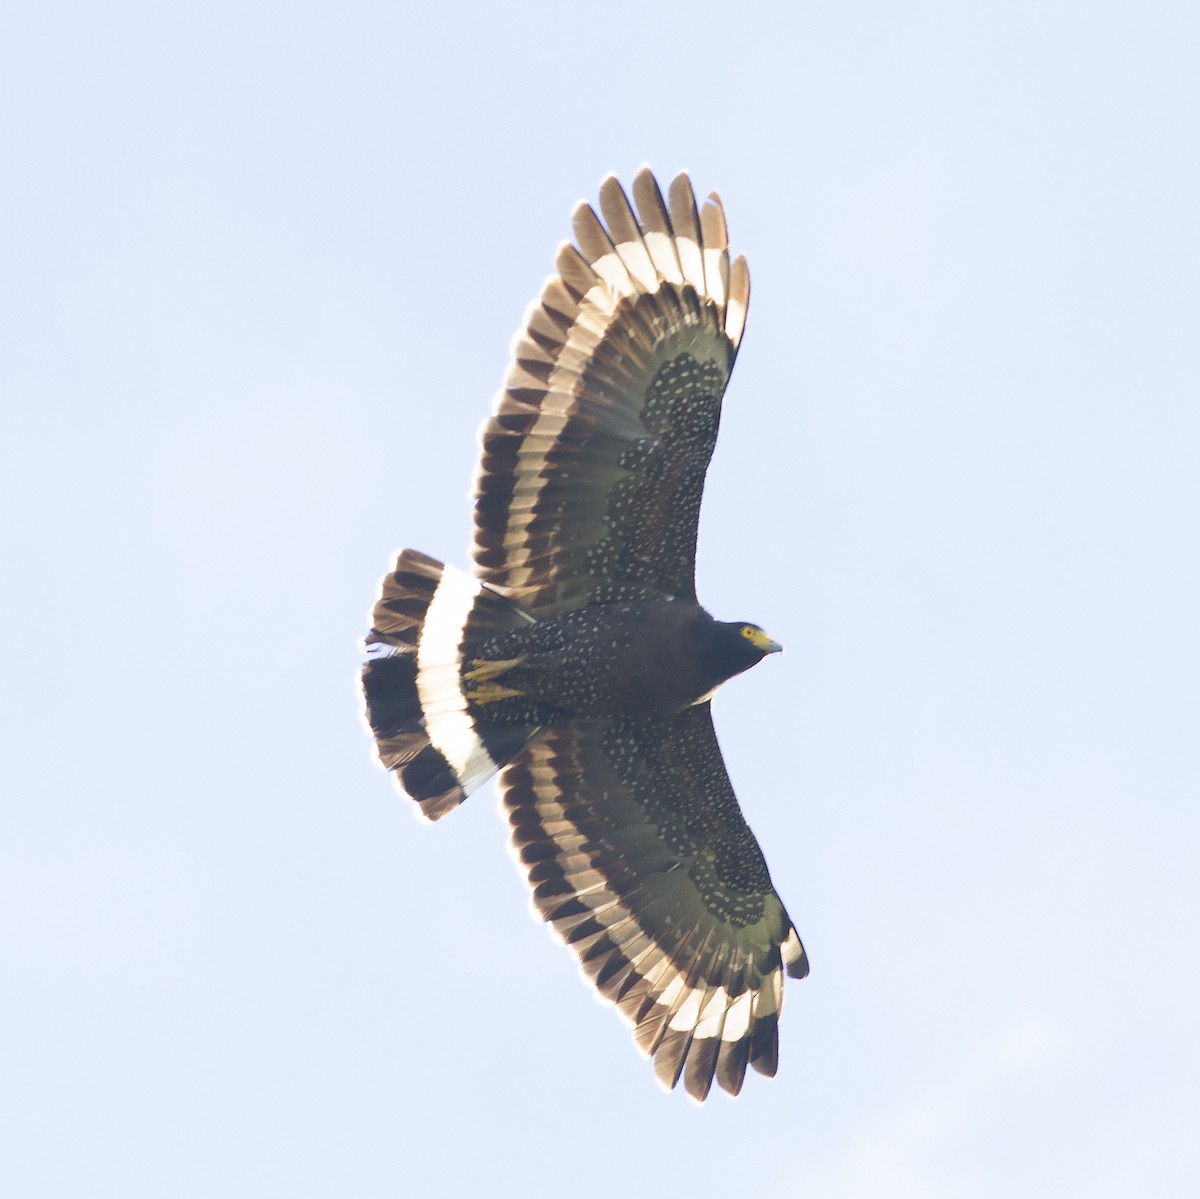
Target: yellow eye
<point>748,631</point>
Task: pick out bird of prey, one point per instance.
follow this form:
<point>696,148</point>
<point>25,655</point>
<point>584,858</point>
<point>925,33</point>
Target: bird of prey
<point>576,661</point>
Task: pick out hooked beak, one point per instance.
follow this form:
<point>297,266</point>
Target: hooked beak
<point>762,641</point>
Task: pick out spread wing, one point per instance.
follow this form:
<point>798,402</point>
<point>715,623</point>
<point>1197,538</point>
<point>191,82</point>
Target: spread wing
<point>592,467</point>
<point>639,857</point>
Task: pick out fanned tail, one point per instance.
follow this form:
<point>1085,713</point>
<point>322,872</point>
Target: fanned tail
<point>439,747</point>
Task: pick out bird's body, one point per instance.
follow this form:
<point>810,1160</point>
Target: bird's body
<point>650,658</point>
<point>578,662</point>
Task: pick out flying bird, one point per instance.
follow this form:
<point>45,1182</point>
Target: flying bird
<point>576,661</point>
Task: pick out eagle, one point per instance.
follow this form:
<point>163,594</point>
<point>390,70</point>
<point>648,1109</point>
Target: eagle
<point>576,662</point>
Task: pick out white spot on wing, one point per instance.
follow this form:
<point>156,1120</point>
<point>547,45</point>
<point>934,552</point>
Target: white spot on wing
<point>791,949</point>
<point>714,1013</point>
<point>691,262</point>
<point>735,321</point>
<point>671,992</point>
<point>662,251</point>
<point>737,1019</point>
<point>712,276</point>
<point>612,270</point>
<point>685,1018</point>
<point>637,261</point>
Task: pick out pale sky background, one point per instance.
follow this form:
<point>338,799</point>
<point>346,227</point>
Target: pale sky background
<point>261,264</point>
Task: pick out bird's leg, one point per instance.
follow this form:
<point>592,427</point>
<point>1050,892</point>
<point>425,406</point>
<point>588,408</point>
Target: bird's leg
<point>480,679</point>
<point>482,670</point>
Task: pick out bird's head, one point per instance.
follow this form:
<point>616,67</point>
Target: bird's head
<point>754,636</point>
<point>742,645</point>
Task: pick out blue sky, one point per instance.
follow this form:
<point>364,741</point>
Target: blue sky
<point>260,269</point>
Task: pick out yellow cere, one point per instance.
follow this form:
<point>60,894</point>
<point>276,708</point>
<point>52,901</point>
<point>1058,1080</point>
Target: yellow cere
<point>758,638</point>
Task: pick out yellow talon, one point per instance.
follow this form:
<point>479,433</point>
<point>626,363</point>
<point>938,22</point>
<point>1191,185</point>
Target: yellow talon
<point>482,670</point>
<point>490,692</point>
